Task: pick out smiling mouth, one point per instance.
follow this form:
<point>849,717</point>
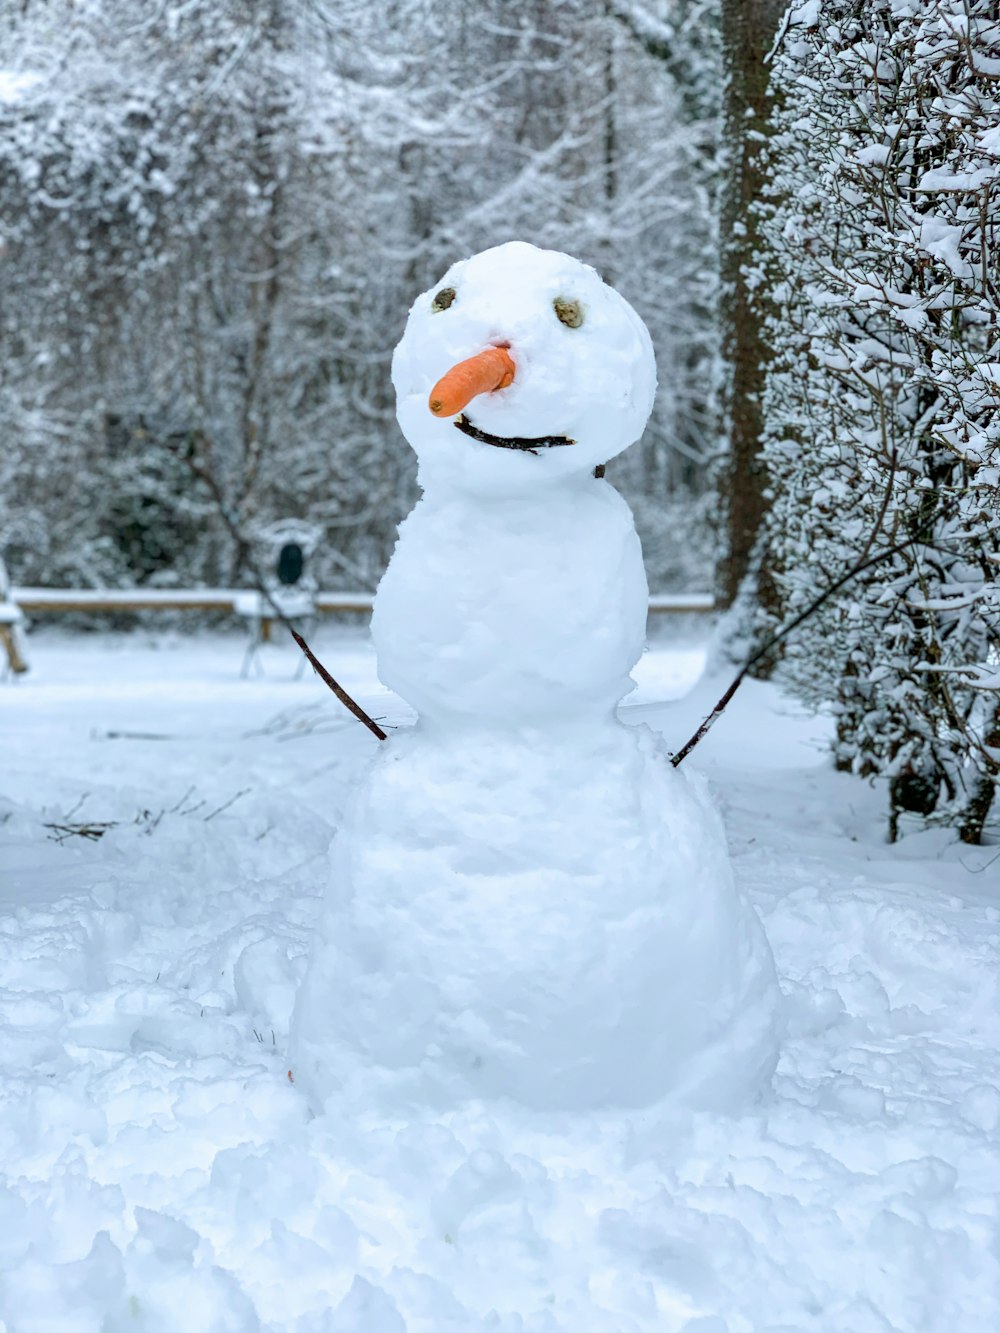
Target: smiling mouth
<point>526,444</point>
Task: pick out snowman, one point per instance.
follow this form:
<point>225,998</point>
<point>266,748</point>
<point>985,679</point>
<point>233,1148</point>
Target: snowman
<point>527,900</point>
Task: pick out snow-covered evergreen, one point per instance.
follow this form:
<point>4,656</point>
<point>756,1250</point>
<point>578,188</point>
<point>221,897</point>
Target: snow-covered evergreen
<point>882,401</point>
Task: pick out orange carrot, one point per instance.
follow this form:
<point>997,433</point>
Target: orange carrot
<point>490,369</point>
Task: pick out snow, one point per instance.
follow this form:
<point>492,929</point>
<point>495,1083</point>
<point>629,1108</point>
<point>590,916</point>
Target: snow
<point>161,1173</point>
<point>526,899</point>
<point>942,241</point>
<point>875,154</point>
<point>805,13</point>
<point>517,612</point>
<point>538,932</point>
<point>14,84</point>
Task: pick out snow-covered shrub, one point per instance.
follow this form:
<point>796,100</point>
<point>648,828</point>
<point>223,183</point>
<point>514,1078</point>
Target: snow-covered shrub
<point>883,230</point>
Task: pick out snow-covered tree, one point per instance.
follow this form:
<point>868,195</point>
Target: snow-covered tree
<point>217,212</point>
<point>882,402</point>
<point>173,191</point>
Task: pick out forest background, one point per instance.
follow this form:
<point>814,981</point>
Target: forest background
<point>218,214</point>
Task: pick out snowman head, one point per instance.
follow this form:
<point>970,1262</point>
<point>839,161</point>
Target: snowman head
<point>519,367</point>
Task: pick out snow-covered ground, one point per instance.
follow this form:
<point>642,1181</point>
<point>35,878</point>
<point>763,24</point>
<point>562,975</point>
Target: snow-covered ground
<point>161,1173</point>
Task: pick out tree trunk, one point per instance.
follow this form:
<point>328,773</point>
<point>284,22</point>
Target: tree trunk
<point>748,31</point>
<point>978,807</point>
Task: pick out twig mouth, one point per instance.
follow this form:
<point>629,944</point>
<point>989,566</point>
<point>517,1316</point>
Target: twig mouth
<point>526,444</point>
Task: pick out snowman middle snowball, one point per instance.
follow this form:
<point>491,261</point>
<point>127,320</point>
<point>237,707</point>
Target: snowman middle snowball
<point>526,899</point>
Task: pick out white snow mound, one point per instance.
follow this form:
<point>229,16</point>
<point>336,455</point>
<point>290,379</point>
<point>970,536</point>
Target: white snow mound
<point>548,919</point>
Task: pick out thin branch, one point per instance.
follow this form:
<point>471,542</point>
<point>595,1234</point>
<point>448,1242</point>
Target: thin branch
<point>205,474</point>
<point>857,568</point>
<point>91,831</point>
<point>780,35</point>
<point>341,693</point>
<point>226,804</point>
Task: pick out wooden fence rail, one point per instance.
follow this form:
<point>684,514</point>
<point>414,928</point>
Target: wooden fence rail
<point>56,601</point>
<point>49,601</point>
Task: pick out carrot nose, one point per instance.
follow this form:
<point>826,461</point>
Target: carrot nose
<point>490,369</point>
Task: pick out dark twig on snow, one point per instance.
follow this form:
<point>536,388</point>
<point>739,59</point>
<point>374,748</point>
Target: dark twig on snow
<point>174,808</point>
<point>93,829</point>
<point>338,690</point>
<point>226,804</point>
<point>71,812</point>
<point>137,736</point>
<point>90,831</point>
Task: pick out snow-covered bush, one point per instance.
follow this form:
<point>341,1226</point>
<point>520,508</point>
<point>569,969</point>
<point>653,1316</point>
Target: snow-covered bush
<point>883,231</point>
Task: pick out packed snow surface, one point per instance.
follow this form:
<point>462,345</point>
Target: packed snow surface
<point>525,899</point>
<point>528,610</point>
<point>162,1174</point>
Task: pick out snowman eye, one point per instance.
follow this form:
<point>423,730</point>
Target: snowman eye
<point>568,312</point>
<point>443,299</point>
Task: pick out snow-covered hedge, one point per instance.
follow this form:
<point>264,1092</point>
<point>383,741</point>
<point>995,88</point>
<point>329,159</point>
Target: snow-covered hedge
<point>883,231</point>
